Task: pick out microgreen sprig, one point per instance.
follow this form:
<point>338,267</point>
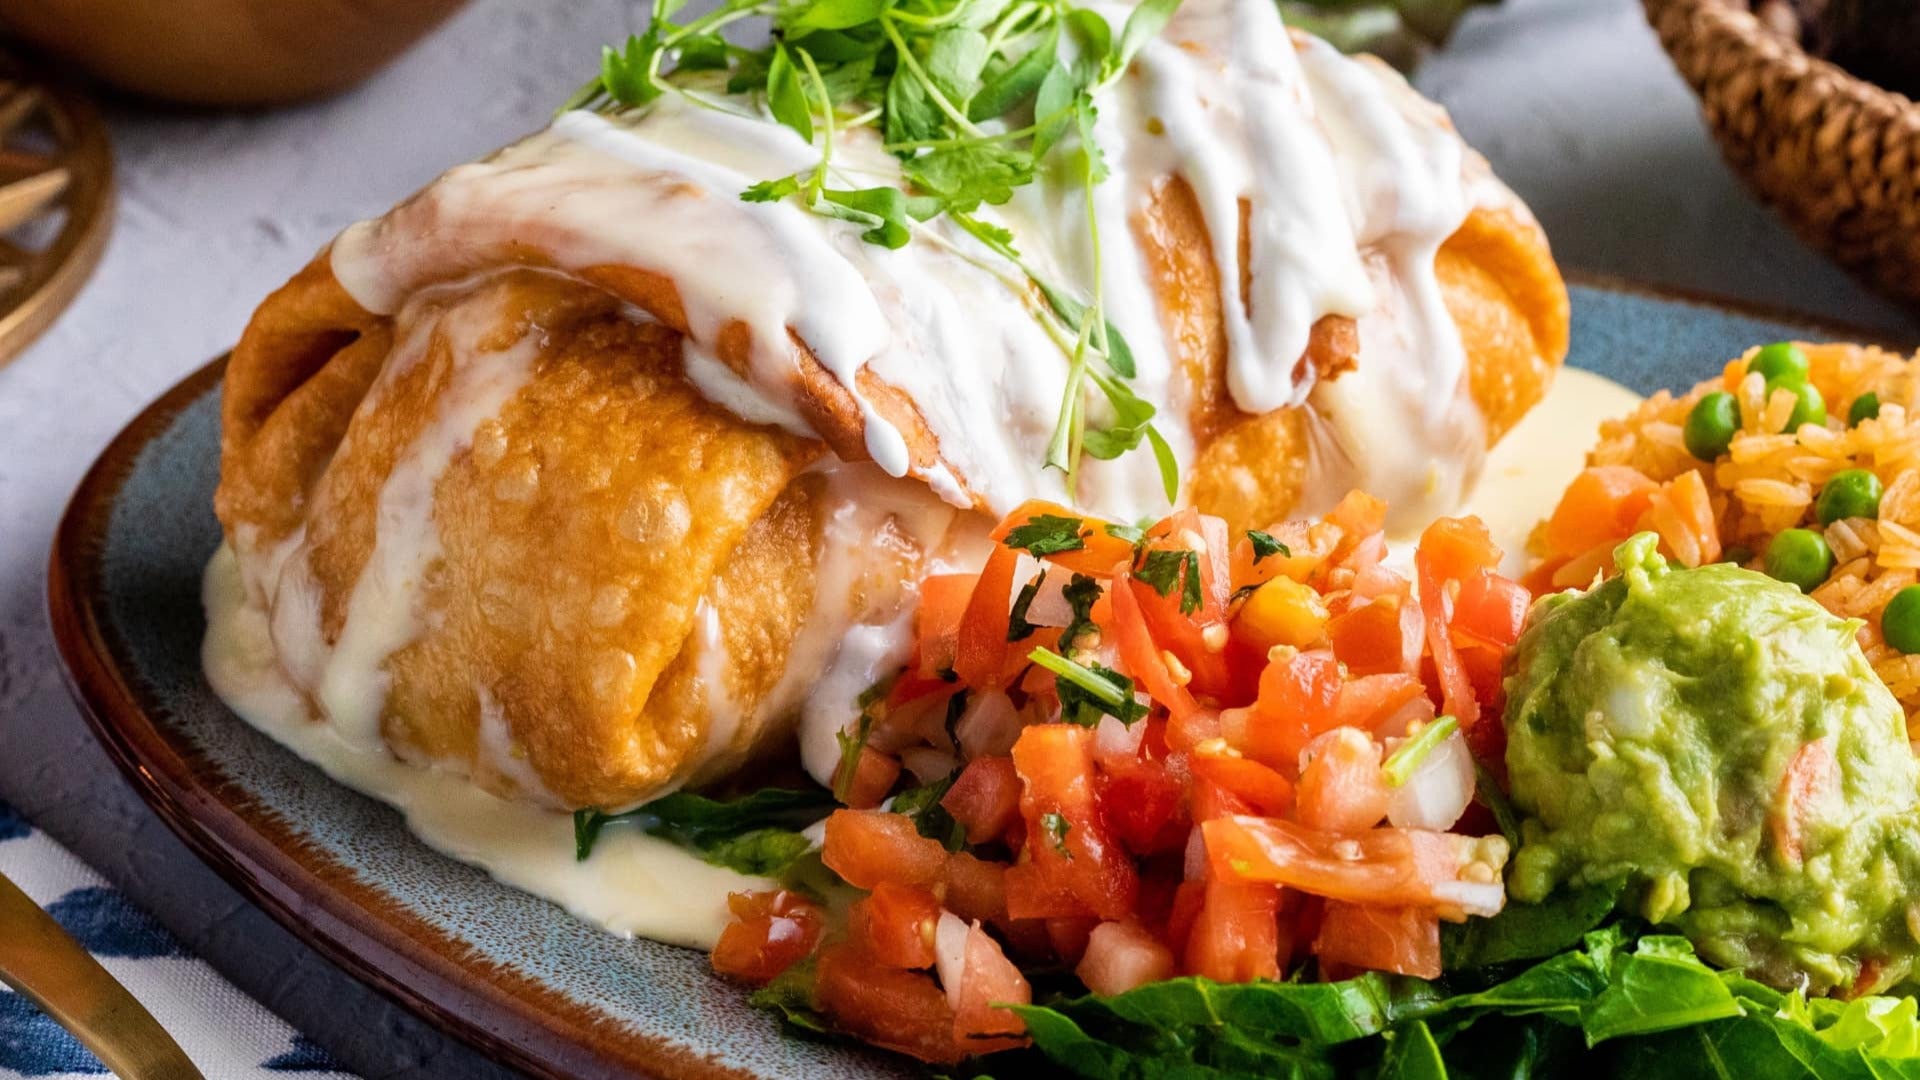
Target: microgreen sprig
<point>976,99</point>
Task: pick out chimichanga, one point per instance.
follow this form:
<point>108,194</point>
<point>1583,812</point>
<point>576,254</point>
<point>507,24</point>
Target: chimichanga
<point>580,473</point>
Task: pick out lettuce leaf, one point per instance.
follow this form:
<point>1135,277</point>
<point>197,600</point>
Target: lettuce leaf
<point>754,834</point>
<point>1611,1006</point>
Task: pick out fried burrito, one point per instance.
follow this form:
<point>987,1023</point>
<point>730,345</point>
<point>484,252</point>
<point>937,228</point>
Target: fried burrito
<point>585,475</point>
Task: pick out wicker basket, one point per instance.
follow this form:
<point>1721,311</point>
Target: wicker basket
<point>1837,156</point>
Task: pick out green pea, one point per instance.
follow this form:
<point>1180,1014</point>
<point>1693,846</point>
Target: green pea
<point>1900,620</point>
<point>1808,406</point>
<point>1864,407</point>
<point>1801,558</point>
<point>1781,362</point>
<point>1710,426</point>
<point>1854,493</point>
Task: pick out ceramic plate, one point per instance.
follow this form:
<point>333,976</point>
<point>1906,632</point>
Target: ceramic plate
<point>512,974</point>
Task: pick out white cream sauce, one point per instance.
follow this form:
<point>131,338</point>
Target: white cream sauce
<point>633,884</point>
<point>1352,180</point>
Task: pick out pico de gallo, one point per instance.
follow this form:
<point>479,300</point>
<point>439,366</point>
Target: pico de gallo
<point>1139,753</point>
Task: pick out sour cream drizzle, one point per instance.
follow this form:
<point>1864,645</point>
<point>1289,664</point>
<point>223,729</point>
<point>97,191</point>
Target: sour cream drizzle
<point>1352,182</point>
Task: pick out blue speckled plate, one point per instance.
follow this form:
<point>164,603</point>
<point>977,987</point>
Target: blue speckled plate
<point>515,975</point>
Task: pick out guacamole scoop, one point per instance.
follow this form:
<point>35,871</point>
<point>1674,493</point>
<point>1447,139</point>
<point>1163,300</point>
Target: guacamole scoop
<point>1716,740</point>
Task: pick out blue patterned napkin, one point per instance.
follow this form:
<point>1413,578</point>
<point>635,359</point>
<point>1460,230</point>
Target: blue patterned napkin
<point>227,1034</point>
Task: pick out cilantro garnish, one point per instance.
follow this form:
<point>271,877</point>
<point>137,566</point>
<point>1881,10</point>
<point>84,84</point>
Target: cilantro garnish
<point>976,98</point>
<point>1018,628</point>
<point>1057,827</point>
<point>1264,545</point>
<point>1089,691</point>
<point>1047,534</point>
<point>1081,593</point>
<point>922,804</point>
<point>1165,569</point>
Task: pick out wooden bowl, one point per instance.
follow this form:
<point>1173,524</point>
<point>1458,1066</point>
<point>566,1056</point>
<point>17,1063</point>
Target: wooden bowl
<point>1837,156</point>
<point>226,52</point>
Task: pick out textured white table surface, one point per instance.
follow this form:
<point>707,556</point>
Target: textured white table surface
<point>1571,100</point>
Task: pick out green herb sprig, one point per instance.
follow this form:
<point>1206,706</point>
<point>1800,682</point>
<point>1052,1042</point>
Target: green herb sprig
<point>976,98</point>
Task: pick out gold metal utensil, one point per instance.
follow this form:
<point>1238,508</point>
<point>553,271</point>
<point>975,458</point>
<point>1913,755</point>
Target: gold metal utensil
<point>40,960</point>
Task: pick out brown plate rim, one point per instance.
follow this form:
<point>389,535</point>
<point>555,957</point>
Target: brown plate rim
<point>355,925</point>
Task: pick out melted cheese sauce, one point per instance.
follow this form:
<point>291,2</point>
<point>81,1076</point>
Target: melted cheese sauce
<point>635,884</point>
<point>1350,179</point>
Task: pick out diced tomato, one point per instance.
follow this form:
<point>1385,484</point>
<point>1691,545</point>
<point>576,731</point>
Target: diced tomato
<point>1236,936</point>
<point>1401,940</point>
<point>1371,639</point>
<point>1599,507</point>
<point>1141,657</point>
<point>866,847</point>
<point>894,924</point>
<point>981,645</point>
<point>989,980</point>
<point>1122,955</point>
<point>1457,548</point>
<point>771,932</point>
<point>943,602</point>
<point>1035,892</point>
<point>1188,898</point>
<point>1143,805</point>
<point>985,798</point>
<point>1359,516</point>
<point>1341,786</point>
<point>976,888</point>
<point>1394,867</point>
<point>1209,800</point>
<point>1809,776</point>
<point>1490,610</point>
<point>1068,936</point>
<point>1257,785</point>
<point>1297,698</point>
<point>1101,553</point>
<point>888,1007</point>
<point>874,774</point>
<point>1448,552</point>
<point>1067,841</point>
<point>1368,701</point>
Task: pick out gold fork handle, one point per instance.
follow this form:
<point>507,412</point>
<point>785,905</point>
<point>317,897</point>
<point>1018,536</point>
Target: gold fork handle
<point>40,960</point>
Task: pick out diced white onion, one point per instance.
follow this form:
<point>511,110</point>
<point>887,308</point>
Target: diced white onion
<point>988,725</point>
<point>950,954</point>
<point>927,763</point>
<point>1437,793</point>
<point>1113,739</point>
<point>1050,606</point>
<point>1472,897</point>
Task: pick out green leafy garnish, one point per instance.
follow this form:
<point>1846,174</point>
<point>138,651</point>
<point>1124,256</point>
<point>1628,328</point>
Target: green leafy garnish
<point>1080,594</point>
<point>1047,534</point>
<point>1609,1006</point>
<point>755,834</point>
<point>922,804</point>
<point>1264,545</point>
<point>1018,628</point>
<point>852,744</point>
<point>1165,570</point>
<point>1406,758</point>
<point>1057,827</point>
<point>975,98</point>
<point>1089,691</point>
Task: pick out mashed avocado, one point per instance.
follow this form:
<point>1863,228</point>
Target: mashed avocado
<point>1717,740</point>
